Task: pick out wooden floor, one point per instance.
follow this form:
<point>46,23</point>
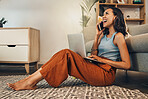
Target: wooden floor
<point>135,80</point>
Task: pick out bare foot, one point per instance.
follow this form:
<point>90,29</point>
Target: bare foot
<point>22,85</point>
<point>28,83</point>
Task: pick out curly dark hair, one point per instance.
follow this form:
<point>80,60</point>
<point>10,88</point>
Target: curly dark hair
<point>119,23</point>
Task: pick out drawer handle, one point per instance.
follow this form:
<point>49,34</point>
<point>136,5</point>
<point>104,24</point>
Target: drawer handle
<point>11,45</point>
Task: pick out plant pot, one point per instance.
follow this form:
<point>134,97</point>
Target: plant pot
<point>1,25</point>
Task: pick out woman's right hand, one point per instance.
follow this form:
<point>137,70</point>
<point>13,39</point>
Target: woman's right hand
<point>99,32</point>
<point>97,40</point>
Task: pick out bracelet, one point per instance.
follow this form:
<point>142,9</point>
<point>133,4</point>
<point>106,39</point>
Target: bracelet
<point>94,49</point>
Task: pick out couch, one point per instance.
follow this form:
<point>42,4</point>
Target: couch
<point>137,44</point>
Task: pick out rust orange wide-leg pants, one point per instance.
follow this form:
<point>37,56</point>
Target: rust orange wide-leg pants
<point>65,62</point>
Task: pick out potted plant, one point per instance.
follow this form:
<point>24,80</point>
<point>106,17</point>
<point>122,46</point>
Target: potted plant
<point>86,7</point>
<point>2,21</point>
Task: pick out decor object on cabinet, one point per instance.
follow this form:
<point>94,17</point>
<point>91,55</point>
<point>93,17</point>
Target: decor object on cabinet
<point>137,2</point>
<point>128,16</point>
<point>20,45</point>
<point>2,21</point>
<point>121,1</point>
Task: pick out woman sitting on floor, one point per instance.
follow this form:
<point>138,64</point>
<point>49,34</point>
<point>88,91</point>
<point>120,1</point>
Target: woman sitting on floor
<point>109,48</point>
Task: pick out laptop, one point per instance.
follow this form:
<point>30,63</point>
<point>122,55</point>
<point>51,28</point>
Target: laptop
<point>77,44</point>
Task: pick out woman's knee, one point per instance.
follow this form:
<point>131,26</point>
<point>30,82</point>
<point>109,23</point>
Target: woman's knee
<point>66,50</point>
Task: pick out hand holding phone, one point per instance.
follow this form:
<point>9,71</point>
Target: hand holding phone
<point>100,25</point>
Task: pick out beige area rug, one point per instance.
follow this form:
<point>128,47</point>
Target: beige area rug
<point>69,89</point>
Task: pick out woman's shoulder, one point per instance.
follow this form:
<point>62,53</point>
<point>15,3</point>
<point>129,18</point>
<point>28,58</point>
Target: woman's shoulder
<point>119,35</point>
<point>119,38</point>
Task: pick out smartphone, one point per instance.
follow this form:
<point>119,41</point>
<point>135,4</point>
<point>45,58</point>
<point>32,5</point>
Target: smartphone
<point>100,26</point>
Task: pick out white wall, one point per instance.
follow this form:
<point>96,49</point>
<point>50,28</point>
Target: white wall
<point>54,19</point>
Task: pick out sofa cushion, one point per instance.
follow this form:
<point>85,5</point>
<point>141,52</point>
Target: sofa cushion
<point>89,33</point>
<point>89,45</point>
<point>139,62</point>
<point>139,29</point>
<point>138,43</point>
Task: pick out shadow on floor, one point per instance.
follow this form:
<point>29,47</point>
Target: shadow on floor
<point>16,69</point>
<point>135,80</point>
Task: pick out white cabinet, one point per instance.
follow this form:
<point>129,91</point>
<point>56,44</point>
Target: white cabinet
<point>16,53</point>
<point>14,36</point>
<point>20,45</point>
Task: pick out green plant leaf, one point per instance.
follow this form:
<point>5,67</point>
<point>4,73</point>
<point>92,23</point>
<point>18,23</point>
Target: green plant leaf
<point>4,22</point>
<point>93,3</point>
<point>2,19</point>
<point>86,7</point>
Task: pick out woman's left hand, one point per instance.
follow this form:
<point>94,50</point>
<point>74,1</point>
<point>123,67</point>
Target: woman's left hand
<point>99,59</point>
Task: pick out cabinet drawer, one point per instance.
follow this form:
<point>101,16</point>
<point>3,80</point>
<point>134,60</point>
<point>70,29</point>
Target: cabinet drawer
<point>14,36</point>
<point>17,53</point>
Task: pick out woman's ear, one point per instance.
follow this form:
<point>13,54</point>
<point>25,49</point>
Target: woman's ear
<point>115,17</point>
<point>115,20</point>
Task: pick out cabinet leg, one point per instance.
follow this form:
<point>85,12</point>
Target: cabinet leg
<point>36,66</point>
<point>27,67</point>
